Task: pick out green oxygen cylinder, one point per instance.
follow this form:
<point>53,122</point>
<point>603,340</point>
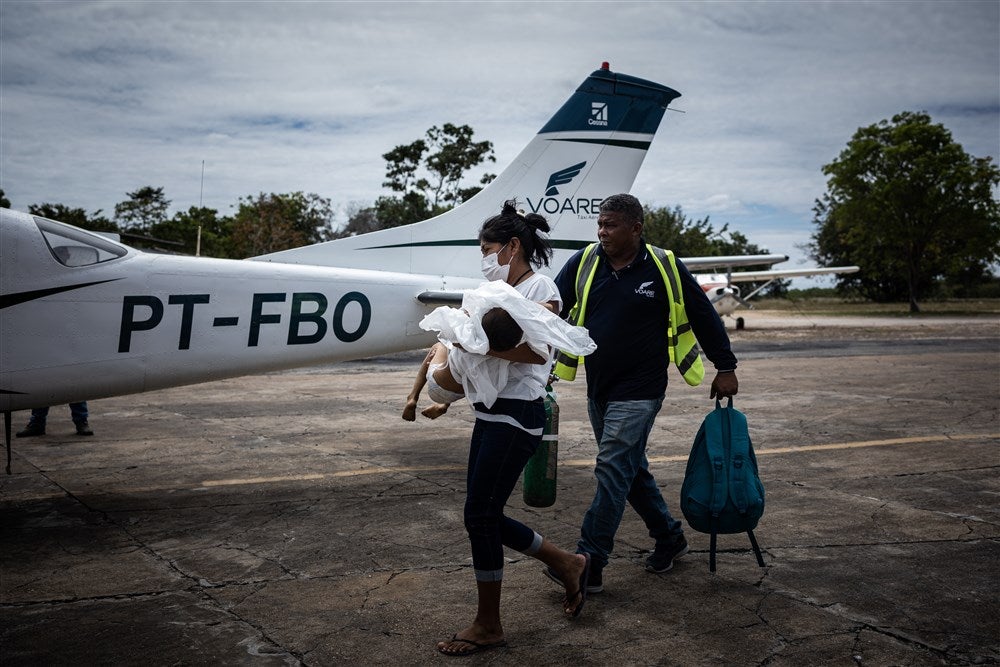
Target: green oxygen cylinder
<point>539,486</point>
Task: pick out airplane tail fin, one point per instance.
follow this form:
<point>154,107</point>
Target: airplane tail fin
<point>590,149</point>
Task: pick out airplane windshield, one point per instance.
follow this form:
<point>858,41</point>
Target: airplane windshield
<point>76,247</point>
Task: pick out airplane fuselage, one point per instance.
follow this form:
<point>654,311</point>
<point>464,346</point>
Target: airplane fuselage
<point>136,321</point>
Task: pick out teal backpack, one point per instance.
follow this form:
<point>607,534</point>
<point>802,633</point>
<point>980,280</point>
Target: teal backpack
<point>722,493</point>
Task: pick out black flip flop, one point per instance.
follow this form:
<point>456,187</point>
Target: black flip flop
<point>477,647</point>
<point>581,589</point>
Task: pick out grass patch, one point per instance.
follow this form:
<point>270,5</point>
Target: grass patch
<point>837,306</point>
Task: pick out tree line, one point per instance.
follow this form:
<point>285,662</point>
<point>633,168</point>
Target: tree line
<point>904,202</point>
<point>908,205</point>
<point>425,176</point>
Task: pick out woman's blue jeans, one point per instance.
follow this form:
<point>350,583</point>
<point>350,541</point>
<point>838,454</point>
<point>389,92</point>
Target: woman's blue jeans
<point>497,455</point>
<point>622,429</point>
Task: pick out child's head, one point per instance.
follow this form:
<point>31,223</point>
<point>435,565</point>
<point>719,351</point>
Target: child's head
<point>503,332</point>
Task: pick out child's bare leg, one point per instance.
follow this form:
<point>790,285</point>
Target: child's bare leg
<point>410,409</point>
<point>444,378</point>
<point>442,374</point>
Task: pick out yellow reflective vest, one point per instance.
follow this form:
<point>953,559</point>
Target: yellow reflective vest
<point>682,343</point>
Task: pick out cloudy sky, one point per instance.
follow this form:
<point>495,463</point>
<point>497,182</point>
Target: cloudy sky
<point>98,99</point>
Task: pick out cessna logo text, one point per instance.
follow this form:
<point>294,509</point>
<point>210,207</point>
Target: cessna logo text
<point>598,114</point>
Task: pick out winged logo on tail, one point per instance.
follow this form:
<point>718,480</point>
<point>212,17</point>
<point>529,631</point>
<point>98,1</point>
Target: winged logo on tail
<point>562,177</point>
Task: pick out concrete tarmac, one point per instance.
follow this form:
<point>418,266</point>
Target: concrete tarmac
<point>295,518</point>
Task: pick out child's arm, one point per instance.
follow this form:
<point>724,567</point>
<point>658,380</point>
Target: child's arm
<point>521,354</point>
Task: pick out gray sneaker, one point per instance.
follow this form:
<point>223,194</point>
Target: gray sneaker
<point>31,430</point>
<point>662,559</point>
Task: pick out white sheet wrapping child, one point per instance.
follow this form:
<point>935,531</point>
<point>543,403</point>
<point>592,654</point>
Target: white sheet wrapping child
<point>482,376</point>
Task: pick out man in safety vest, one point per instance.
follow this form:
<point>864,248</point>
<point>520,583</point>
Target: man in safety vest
<point>644,310</point>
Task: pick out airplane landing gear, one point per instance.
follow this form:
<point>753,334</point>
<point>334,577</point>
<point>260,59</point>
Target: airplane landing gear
<point>6,436</point>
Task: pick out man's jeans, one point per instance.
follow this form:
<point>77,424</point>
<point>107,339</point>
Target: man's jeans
<point>621,429</point>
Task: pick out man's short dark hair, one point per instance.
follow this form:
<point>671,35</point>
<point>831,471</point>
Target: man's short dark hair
<point>625,204</point>
<point>502,330</point>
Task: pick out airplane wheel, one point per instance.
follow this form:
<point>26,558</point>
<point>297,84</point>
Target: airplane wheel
<point>740,323</point>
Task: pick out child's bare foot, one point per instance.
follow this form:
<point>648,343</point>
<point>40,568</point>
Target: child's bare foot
<point>434,411</point>
<point>410,411</point>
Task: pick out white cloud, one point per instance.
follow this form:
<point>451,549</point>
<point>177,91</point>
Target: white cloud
<point>100,98</point>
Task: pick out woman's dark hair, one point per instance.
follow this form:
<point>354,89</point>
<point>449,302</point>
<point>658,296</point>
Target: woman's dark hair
<point>527,228</point>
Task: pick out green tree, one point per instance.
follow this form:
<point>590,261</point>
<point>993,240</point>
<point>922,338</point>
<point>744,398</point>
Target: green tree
<point>272,222</point>
<point>907,204</point>
<point>427,174</point>
<point>183,227</point>
<point>451,153</point>
<point>360,220</point>
<point>671,228</point>
<point>95,222</point>
<point>144,208</point>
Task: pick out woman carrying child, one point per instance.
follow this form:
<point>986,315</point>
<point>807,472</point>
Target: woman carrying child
<point>505,436</point>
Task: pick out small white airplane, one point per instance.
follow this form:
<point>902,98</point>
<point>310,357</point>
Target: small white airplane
<point>725,296</point>
<point>85,317</point>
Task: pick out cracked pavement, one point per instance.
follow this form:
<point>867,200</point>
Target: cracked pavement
<point>295,518</point>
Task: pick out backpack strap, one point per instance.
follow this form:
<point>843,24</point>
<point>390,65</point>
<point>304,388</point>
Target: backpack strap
<point>739,455</point>
<point>715,434</point>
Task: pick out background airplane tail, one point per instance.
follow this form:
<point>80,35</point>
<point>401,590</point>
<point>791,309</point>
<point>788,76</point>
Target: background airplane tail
<point>591,148</point>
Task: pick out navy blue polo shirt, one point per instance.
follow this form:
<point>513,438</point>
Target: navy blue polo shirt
<point>626,316</point>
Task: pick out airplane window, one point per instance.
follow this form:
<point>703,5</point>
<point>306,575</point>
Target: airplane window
<point>76,247</point>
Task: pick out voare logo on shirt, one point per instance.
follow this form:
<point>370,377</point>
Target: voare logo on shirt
<point>644,290</point>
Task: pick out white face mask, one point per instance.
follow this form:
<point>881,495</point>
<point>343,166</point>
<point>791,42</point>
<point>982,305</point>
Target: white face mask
<point>492,269</point>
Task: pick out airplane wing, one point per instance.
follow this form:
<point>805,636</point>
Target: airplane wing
<point>731,260</point>
<point>753,276</point>
<point>726,297</point>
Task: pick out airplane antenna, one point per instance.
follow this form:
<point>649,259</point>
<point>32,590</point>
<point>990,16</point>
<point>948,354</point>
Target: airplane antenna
<point>201,196</point>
